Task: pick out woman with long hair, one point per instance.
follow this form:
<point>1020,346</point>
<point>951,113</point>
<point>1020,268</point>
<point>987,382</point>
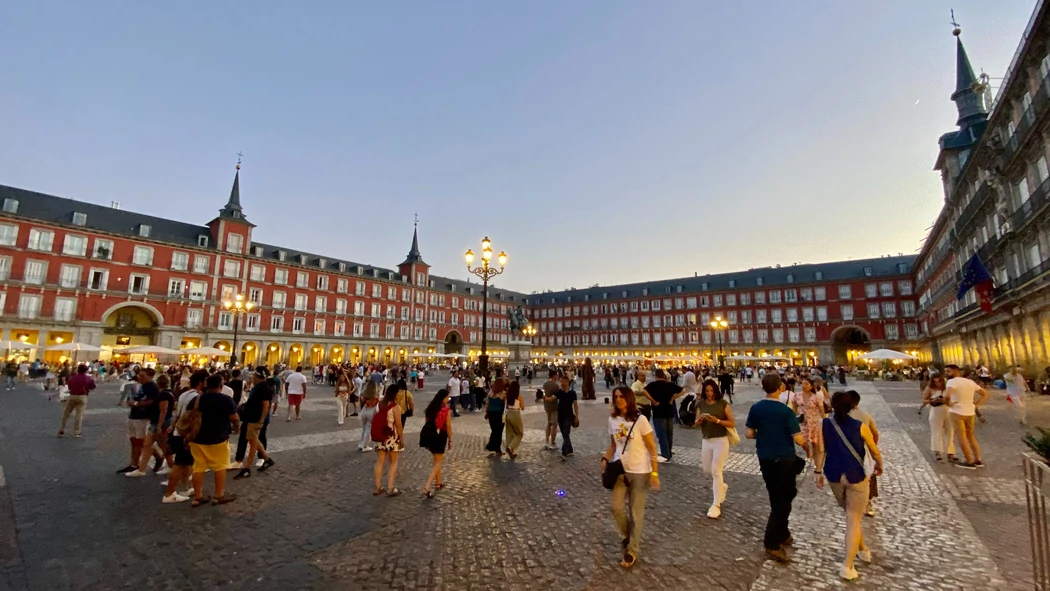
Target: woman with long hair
<point>847,441</point>
<point>369,406</point>
<point>404,401</point>
<point>631,443</point>
<point>715,418</point>
<point>512,416</point>
<point>389,440</point>
<point>942,431</point>
<point>494,414</point>
<point>810,405</point>
<point>342,396</point>
<point>436,437</point>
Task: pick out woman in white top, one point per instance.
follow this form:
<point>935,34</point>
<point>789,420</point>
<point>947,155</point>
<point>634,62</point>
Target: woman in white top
<point>630,441</point>
<point>1016,387</point>
<point>942,431</point>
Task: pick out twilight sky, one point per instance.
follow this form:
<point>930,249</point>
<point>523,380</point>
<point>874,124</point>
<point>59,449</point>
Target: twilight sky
<point>595,141</point>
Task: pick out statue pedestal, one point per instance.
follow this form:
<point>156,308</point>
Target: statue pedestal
<point>520,352</point>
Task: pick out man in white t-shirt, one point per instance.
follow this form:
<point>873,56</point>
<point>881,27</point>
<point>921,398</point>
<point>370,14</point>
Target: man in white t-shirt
<point>1016,387</point>
<point>964,396</point>
<point>465,393</point>
<point>295,386</point>
<point>454,386</point>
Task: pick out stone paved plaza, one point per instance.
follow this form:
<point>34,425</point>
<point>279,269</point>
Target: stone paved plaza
<point>68,522</point>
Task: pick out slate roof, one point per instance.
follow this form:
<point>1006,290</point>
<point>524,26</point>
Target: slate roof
<point>771,277</point>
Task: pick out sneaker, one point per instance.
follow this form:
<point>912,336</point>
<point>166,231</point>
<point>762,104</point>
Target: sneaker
<point>660,459</point>
<point>174,498</point>
<point>266,464</point>
<point>126,469</point>
<point>966,465</point>
<point>259,463</point>
<point>979,464</point>
<point>165,470</point>
<point>61,434</point>
<point>135,473</point>
<point>864,556</point>
<point>714,512</point>
<point>77,435</point>
<point>164,483</point>
<point>369,448</point>
<point>848,574</point>
<point>243,474</point>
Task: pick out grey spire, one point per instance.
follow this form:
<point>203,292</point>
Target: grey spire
<point>967,95</point>
<point>413,255</point>
<point>233,206</point>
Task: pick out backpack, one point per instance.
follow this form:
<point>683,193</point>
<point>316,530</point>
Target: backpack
<point>190,421</point>
<point>380,430</point>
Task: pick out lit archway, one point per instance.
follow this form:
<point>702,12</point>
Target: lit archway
<point>249,353</point>
<point>295,355</point>
<point>130,324</point>
<point>453,342</point>
<point>849,337</point>
<point>273,354</point>
<point>317,355</point>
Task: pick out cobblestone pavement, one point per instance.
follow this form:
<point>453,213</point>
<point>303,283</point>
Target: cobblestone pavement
<point>67,522</point>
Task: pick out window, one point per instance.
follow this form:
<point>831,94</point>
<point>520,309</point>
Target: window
<point>873,310</point>
<point>8,234</point>
<point>807,314</point>
<point>359,308</point>
<point>810,334</point>
<point>300,301</point>
<point>280,276</point>
<point>774,296</point>
<point>75,245</point>
<point>760,297</point>
<point>176,287</point>
<point>258,273</point>
<point>793,335</point>
<point>373,331</point>
<point>320,304</point>
<point>198,290</point>
<point>5,269</point>
<point>376,311</point>
<point>342,285</point>
<point>911,331</point>
<point>319,326</point>
<point>760,316</point>
<point>867,271</point>
<point>776,315</point>
<point>251,322</point>
<point>778,335</point>
<point>194,318</point>
<point>845,292</point>
<point>231,268</point>
<point>759,281</point>
<point>886,289</point>
<point>792,314</point>
<point>69,276</point>
<point>822,313</point>
<point>225,321</point>
<point>391,293</point>
<point>98,279</point>
<point>359,288</point>
<point>144,230</point>
<point>377,290</point>
<point>41,240</point>
<point>904,287</point>
<point>892,332</point>
<point>255,296</point>
<point>138,284</point>
<point>302,279</point>
<point>322,282</point>
<point>143,255</point>
<point>298,325</point>
<point>820,294</point>
<point>29,306</point>
<point>180,261</point>
<point>202,241</point>
<point>234,243</point>
<point>889,309</point>
<point>908,309</point>
<point>340,306</point>
<point>35,272</point>
<point>10,206</point>
<point>201,264</point>
<point>745,299</point>
<point>718,300</point>
<point>276,323</point>
<point>359,329</point>
<point>870,290</point>
<point>847,311</point>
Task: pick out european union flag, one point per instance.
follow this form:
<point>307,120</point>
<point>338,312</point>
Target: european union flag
<point>976,277</point>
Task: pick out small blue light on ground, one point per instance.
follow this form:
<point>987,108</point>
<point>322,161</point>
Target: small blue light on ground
<point>560,492</point>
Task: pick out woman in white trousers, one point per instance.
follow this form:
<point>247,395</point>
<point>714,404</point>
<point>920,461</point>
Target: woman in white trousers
<point>942,431</point>
<point>715,417</point>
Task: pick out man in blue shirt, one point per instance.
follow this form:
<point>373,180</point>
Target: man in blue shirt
<point>775,429</point>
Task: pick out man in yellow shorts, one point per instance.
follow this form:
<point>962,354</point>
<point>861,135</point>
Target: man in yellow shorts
<point>211,446</point>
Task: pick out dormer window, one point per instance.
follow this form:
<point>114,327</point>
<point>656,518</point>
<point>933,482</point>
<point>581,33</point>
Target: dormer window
<point>79,219</point>
<point>302,259</point>
<point>791,278</point>
<point>605,295</point>
<point>202,241</point>
<point>818,275</point>
<point>867,271</point>
<point>257,251</point>
<point>321,263</point>
<point>281,255</point>
<point>470,290</point>
<point>360,270</point>
<point>452,287</point>
<point>144,230</point>
<point>623,293</point>
<point>10,205</point>
<point>759,281</point>
<point>375,273</point>
<point>342,267</point>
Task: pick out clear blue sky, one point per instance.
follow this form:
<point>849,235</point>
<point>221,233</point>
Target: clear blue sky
<point>595,141</point>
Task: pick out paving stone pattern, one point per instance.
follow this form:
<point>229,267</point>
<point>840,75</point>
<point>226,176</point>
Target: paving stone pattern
<point>67,522</point>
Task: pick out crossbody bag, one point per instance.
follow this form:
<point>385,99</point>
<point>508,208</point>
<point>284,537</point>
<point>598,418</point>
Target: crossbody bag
<point>849,445</point>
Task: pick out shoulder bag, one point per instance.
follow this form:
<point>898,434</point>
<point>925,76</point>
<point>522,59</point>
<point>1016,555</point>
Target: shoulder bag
<point>613,470</point>
<point>189,424</point>
<point>731,433</point>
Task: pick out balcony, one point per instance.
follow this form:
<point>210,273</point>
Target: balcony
<point>980,198</point>
<point>1030,209</point>
<point>1005,291</point>
<point>1028,119</point>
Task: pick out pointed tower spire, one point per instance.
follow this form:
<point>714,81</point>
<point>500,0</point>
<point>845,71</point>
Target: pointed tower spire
<point>968,91</point>
<point>233,205</point>
<point>413,255</point>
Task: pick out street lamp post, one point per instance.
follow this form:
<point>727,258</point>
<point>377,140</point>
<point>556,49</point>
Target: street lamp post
<point>720,326</point>
<point>485,272</point>
<point>238,307</point>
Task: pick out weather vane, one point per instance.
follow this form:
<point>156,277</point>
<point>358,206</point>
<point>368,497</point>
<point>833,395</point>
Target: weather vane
<point>957,29</point>
<point>239,156</point>
<point>416,221</point>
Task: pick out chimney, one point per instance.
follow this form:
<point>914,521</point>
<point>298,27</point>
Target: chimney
<point>114,204</point>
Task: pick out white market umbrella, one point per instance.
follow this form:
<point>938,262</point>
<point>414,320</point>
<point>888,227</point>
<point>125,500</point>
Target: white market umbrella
<point>209,351</point>
<point>16,345</point>
<point>147,350</point>
<point>886,354</point>
<point>741,358</point>
<point>74,347</point>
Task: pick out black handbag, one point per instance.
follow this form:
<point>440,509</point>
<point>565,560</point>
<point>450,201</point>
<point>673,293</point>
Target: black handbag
<point>613,470</point>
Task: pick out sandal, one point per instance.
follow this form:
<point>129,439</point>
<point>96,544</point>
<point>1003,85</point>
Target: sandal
<point>201,501</point>
<point>393,493</point>
<point>223,499</point>
<point>628,560</point>
<point>439,485</point>
<point>428,494</point>
<point>378,492</point>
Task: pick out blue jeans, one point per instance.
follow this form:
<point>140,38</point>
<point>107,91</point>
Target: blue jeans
<point>452,405</point>
<point>10,381</point>
<point>565,425</point>
<point>664,428</point>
